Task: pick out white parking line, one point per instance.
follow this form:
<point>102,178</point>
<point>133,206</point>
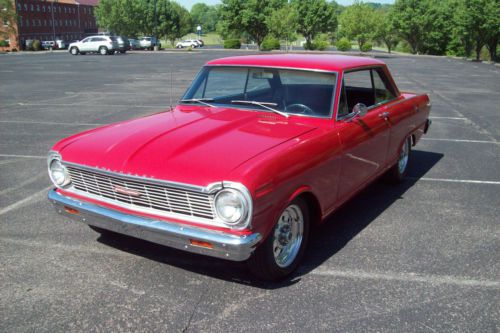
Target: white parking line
<point>32,198</point>
<point>462,140</point>
<point>451,118</point>
<point>466,181</point>
<point>49,123</point>
<point>24,156</point>
<point>408,277</point>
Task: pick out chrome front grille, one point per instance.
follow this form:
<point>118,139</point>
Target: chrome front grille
<point>142,195</point>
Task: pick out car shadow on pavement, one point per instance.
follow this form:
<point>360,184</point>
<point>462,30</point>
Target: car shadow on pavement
<point>326,240</point>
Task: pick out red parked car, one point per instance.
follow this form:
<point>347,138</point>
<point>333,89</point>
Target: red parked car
<point>259,149</point>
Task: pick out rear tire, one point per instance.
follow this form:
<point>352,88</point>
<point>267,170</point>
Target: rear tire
<point>103,50</point>
<point>399,171</point>
<point>280,254</point>
<point>74,51</point>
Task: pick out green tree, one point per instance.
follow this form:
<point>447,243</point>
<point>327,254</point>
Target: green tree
<point>384,29</point>
<point>477,25</point>
<point>8,17</point>
<point>205,15</point>
<point>315,17</point>
<point>425,24</point>
<point>177,22</point>
<point>283,24</point>
<point>123,17</point>
<point>409,20</point>
<point>492,27</point>
<point>240,16</point>
<point>358,22</point>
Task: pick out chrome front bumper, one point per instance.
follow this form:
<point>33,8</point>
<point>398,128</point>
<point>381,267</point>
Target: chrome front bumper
<point>224,245</point>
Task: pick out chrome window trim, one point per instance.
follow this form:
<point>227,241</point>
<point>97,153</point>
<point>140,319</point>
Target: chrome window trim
<point>374,106</point>
<point>244,107</point>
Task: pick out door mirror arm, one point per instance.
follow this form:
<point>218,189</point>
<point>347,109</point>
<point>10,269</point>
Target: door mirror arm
<point>359,110</point>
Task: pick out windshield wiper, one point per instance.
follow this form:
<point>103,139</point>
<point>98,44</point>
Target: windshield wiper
<point>199,100</point>
<point>265,105</point>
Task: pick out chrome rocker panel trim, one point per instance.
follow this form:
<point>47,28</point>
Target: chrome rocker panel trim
<point>225,246</point>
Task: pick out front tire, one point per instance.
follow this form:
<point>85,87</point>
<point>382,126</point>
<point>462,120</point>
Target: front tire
<point>399,171</point>
<point>74,51</point>
<point>282,251</point>
<point>103,50</point>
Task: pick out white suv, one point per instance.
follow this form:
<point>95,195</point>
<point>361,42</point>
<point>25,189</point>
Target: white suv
<point>102,44</point>
<point>188,43</point>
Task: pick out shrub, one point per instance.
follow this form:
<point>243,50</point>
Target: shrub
<point>343,45</point>
<point>4,43</point>
<point>232,44</point>
<point>270,43</point>
<point>320,45</point>
<point>367,47</point>
<point>37,46</point>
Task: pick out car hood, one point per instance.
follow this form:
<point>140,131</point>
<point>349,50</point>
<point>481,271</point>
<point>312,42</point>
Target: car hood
<point>190,144</point>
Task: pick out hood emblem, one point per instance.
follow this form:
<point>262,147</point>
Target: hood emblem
<point>126,191</point>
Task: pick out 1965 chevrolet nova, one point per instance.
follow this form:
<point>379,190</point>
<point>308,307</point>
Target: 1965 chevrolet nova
<point>259,149</point>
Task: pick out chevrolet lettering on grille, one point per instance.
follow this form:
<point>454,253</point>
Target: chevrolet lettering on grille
<point>126,191</point>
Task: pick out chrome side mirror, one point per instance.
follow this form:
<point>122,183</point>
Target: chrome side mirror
<point>359,109</point>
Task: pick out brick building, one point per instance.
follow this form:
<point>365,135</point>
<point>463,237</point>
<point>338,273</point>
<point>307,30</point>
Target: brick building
<point>53,20</point>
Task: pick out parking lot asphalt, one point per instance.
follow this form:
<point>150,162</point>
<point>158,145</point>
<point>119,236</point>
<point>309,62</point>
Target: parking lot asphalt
<point>419,257</point>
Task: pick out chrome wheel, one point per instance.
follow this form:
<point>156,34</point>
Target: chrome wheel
<point>403,157</point>
<point>103,50</point>
<point>287,236</point>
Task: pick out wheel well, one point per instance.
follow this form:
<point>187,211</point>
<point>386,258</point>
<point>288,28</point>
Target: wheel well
<point>314,207</point>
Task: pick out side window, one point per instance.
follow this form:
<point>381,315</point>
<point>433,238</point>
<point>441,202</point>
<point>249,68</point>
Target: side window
<point>383,89</point>
<point>358,88</point>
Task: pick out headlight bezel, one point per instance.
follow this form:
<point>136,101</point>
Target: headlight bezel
<point>246,202</point>
<point>55,157</point>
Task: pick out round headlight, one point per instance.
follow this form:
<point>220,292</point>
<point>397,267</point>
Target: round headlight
<point>58,173</point>
<point>231,206</point>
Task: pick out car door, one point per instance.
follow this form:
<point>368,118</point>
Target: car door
<point>364,137</point>
<point>85,45</point>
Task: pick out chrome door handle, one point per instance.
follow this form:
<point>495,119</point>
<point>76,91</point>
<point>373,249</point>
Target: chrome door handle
<point>384,115</point>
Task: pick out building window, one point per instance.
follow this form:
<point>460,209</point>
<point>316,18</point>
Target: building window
<point>27,23</point>
<point>43,8</point>
<point>39,22</point>
<point>20,21</point>
<point>37,8</point>
<point>5,22</point>
<point>25,7</point>
<point>59,9</point>
<point>19,7</point>
<point>32,8</point>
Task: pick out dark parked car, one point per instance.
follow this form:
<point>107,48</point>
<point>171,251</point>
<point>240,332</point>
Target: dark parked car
<point>123,44</point>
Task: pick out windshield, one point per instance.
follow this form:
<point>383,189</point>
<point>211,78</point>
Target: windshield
<point>290,91</point>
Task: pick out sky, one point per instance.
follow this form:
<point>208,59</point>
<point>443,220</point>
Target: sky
<point>189,3</point>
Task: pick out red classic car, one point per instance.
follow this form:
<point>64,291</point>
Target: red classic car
<point>259,149</point>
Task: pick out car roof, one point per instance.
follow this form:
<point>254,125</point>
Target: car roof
<point>326,62</point>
